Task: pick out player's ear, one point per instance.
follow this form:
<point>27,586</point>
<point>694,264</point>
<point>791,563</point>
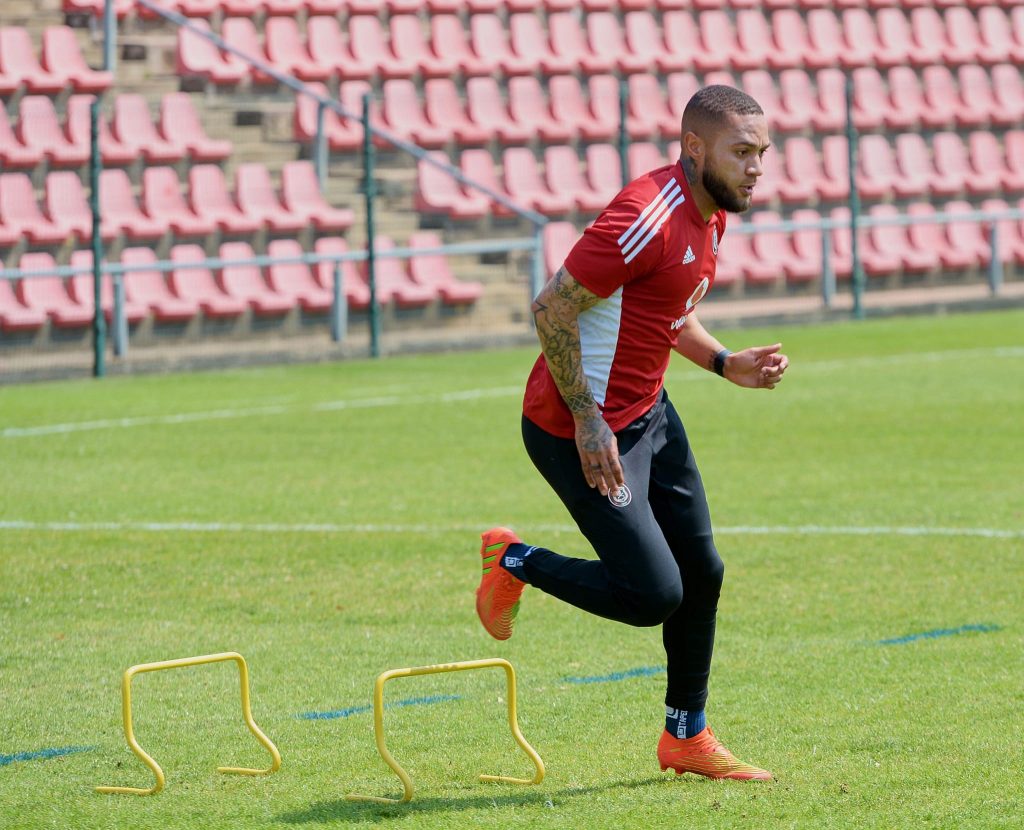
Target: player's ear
<point>693,145</point>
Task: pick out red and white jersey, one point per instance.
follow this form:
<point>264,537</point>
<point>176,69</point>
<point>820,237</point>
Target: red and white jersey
<point>651,257</point>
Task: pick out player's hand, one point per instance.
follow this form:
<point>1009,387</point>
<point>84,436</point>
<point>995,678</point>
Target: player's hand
<point>759,367</point>
<point>599,453</point>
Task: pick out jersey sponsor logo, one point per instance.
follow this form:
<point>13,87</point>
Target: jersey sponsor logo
<point>650,220</point>
<point>714,240</point>
<point>698,294</point>
<point>688,257</point>
<point>678,324</point>
<point>620,497</point>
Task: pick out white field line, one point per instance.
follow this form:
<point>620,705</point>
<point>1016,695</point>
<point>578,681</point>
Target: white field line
<point>335,527</point>
<point>387,401</point>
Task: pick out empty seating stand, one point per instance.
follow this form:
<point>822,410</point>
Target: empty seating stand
<point>244,281</point>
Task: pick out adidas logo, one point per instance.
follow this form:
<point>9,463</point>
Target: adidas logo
<point>689,257</point>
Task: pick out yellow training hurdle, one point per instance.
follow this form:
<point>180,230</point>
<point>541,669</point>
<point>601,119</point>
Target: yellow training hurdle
<point>126,711</point>
<point>378,724</point>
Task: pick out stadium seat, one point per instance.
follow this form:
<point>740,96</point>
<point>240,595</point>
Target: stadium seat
<point>77,128</point>
<point>758,83</point>
<point>448,38</point>
<point>606,39</point>
<point>256,197</point>
<point>569,41</point>
<point>245,282</point>
<point>604,93</point>
<point>798,170</point>
<point>433,272</point>
<point>979,104</point>
<point>771,251</point>
<point>288,53</point>
<point>18,63</point>
<point>932,236</point>
<point>13,153</point>
<point>878,172</point>
<point>524,182</point>
<point>478,166</point>
<point>120,211</point>
<point>680,87</point>
<point>797,97</point>
<point>442,104</point>
<point>717,41</point>
<point>830,115</point>
<point>569,106</point>
<point>62,59</point>
<point>1013,148</point>
<point>67,206</point>
<point>807,248</point>
<point>133,127</point>
<point>82,291</point>
<point>370,48</point>
<point>489,39</point>
<point>987,157</point>
<point>403,115</point>
<point>39,128</point>
<point>842,246</point>
<point>753,40</point>
<point>942,97</point>
<point>996,33</point>
<point>145,285</point>
<point>438,192</point>
<point>929,33</point>
<point>210,200</point>
<point>342,133</point>
<point>870,99</point>
<point>559,239</point>
<point>294,280</point>
<point>180,124</point>
<point>907,99</point>
<point>643,34</point>
<point>1010,243</point>
<point>14,314</point>
<point>643,157</point>
<point>825,36</point>
<point>20,214</point>
<point>563,176</point>
<point>734,256</point>
<point>300,194</point>
<point>485,108</point>
<point>680,33</point>
<point>392,283</point>
<point>328,47</point>
<point>47,294</point>
<point>963,38</point>
<point>968,235</point>
<point>895,240</point>
<point>860,39</point>
<point>914,162</point>
<point>880,260</point>
<point>648,115</point>
<point>354,287</point>
<point>163,200</point>
<point>529,108</point>
<point>1008,89</point>
<point>792,47</point>
<point>196,283</point>
<point>529,42</point>
<point>952,164</point>
<point>240,33</point>
<point>835,166</point>
<point>409,44</point>
<point>895,38</point>
<point>197,57</point>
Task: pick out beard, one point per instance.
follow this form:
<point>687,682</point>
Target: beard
<point>727,198</point>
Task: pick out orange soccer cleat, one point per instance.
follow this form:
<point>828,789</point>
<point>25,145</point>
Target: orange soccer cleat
<point>497,598</point>
<point>703,754</point>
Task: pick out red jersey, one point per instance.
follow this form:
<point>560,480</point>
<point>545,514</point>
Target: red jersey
<point>651,257</point>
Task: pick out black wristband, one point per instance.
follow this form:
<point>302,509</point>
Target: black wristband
<point>720,362</point>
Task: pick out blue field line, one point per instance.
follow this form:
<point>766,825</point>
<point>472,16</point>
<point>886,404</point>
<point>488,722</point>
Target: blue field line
<point>358,710</point>
<point>641,671</point>
<point>43,754</point>
<point>940,632</point>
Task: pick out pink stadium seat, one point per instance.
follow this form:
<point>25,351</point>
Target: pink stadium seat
<point>680,34</point>
<point>649,115</point>
<point>825,36</point>
<point>13,153</point>
<point>644,34</point>
<point>18,62</point>
<point>410,45</point>
<point>878,172</point>
<point>953,167</point>
<point>39,128</point>
<point>643,157</point>
<point>604,34</point>
<point>342,133</point>
<point>240,33</point>
<point>62,58</point>
<point>283,7</point>
<point>780,249</point>
<point>48,295</point>
<point>246,283</point>
<point>449,39</point>
<point>895,38</point>
<point>197,8</point>
<point>759,84</point>
<point>803,170</point>
<point>121,212</point>
<point>300,194</point>
<point>835,164</point>
<point>287,52</point>
<point>968,235</point>
<point>870,98</point>
<point>146,286</point>
<point>914,162</point>
<point>797,97</point>
<point>406,7</point>
<point>328,47</point>
<point>860,38</point>
<point>529,41</point>
<point>806,242</point>
<point>354,287</point>
<point>878,261</point>
<point>771,251</point>
<point>257,198</point>
<point>133,127</point>
<point>831,113</point>
<point>438,192</point>
<point>978,100</point>
<point>842,247</point>
<point>680,86</point>
<point>942,98</point>
<point>568,41</point>
<point>932,236</point>
<point>392,282</point>
<point>486,109</point>
<point>211,201</point>
<point>433,272</point>
<point>15,315</point>
<point>766,192</point>
<point>82,291</point>
<point>895,240</point>
<point>717,41</point>
<point>67,206</point>
<point>1013,147</point>
<point>1010,242</point>
<point>77,128</point>
<point>907,99</point>
<point>929,33</point>
<point>370,48</point>
<point>163,200</point>
<point>791,46</point>
<point>524,182</point>
<point>996,33</point>
<point>196,283</point>
<point>403,115</point>
<point>529,108</point>
<point>180,125</point>
<point>478,166</point>
<point>604,97</point>
<point>559,239</point>
<point>734,255</point>
<point>564,176</point>
<point>964,38</point>
<point>603,170</point>
<point>295,280</point>
<point>489,38</point>
<point>569,106</point>
<point>195,56</point>
<point>753,39</point>
<point>1008,89</point>
<point>20,213</point>
<point>443,105</point>
<point>988,158</point>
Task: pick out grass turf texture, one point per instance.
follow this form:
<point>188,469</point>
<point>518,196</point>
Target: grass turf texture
<point>909,423</point>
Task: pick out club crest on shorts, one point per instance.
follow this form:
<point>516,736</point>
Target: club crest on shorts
<point>620,497</point>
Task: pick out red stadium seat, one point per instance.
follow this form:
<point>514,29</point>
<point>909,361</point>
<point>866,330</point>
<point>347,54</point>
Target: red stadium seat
<point>648,115</point>
<point>870,99</point>
<point>196,283</point>
<point>78,130</point>
<point>529,108</point>
<point>606,39</point>
<point>932,236</point>
<point>879,173</point>
<point>895,38</point>
<point>644,34</point>
<point>328,47</point>
<point>256,197</point>
<point>968,235</point>
<point>47,294</point>
<point>942,98</point>
<point>210,200</point>
<point>807,248</point>
<point>433,272</point>
<point>717,42</point>
<point>62,58</point>
<point>439,192</point>
<point>952,164</point>
<point>681,33</point>
<point>825,35</point>
<point>295,279</point>
<point>842,246</point>
<point>907,99</point>
<point>1013,147</point>
<point>342,133</point>
<point>643,157</point>
<point>490,42</point>
<point>569,106</point>
<point>758,83</point>
<point>996,33</point>
<point>39,128</point>
<point>914,162</point>
<point>392,282</point>
<point>163,200</point>
<point>988,158</point>
<point>443,105</point>
<point>791,45</point>
<point>370,48</point>
<point>300,194</point>
<point>287,52</point>
<point>13,153</point>
<point>604,94</point>
<point>411,46</point>
<point>895,240</point>
<point>929,33</point>
<point>403,115</point>
<point>831,113</point>
<point>82,290</point>
<point>180,124</point>
<point>797,97</point>
<point>18,63</point>
<point>753,40</point>
<point>121,212</point>
<point>799,172</point>
<point>195,56</point>
<point>771,251</point>
<point>14,314</point>
<point>20,213</point>
<point>246,283</point>
<point>145,285</point>
<point>835,164</point>
<point>1010,244</point>
<point>977,103</point>
<point>486,109</point>
<point>354,287</point>
<point>67,206</point>
<point>680,87</point>
<point>568,41</point>
<point>133,127</point>
<point>559,239</point>
<point>240,33</point>
<point>563,176</point>
<point>964,39</point>
<point>478,166</point>
<point>525,183</point>
<point>449,39</point>
<point>604,171</point>
<point>1008,89</point>
<point>529,42</point>
<point>860,38</point>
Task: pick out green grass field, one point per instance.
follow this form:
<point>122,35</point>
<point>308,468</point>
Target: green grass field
<point>323,520</point>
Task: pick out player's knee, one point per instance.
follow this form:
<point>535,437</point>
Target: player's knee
<point>654,607</point>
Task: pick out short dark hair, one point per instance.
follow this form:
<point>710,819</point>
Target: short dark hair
<point>710,106</point>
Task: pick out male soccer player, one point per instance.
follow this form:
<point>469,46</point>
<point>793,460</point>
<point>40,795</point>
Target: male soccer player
<point>600,428</point>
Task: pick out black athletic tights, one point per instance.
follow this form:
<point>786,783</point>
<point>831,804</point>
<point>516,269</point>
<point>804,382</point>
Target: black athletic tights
<point>657,558</point>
